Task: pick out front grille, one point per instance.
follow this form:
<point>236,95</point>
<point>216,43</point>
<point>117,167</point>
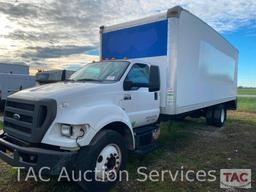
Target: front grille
<point>29,120</point>
<point>24,106</point>
<point>18,127</point>
<point>24,112</point>
<point>26,118</point>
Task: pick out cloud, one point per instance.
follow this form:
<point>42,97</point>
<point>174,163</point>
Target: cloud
<point>43,31</point>
<point>55,52</point>
<point>19,10</point>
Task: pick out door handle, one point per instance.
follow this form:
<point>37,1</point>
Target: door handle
<point>155,95</point>
<point>127,97</point>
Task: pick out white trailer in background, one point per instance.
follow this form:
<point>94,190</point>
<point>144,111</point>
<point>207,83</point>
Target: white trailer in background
<point>13,78</point>
<point>167,66</point>
<point>14,68</point>
<point>53,76</point>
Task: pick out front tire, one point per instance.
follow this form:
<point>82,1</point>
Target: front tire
<point>105,159</point>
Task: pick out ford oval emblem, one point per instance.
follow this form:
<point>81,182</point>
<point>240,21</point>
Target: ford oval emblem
<point>16,116</point>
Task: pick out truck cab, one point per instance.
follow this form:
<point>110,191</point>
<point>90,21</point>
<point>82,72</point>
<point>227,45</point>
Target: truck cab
<point>67,120</point>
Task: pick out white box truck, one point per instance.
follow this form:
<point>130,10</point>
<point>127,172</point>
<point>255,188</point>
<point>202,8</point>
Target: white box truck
<point>13,78</point>
<point>167,66</point>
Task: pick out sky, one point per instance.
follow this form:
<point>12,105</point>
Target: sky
<point>58,34</point>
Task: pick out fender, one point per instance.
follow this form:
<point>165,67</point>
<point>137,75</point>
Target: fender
<point>97,116</point>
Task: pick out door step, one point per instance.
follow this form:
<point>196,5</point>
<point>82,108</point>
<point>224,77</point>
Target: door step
<point>144,138</point>
<point>144,150</point>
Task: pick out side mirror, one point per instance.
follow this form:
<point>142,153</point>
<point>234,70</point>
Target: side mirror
<point>128,85</point>
<point>154,79</point>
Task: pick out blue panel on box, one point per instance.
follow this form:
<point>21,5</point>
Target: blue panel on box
<point>146,40</point>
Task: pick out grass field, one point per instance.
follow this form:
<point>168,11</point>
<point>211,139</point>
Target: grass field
<point>246,91</point>
<point>190,144</point>
<point>247,104</point>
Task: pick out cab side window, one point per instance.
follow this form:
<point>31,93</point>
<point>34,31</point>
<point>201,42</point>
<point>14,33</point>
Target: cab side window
<point>139,74</point>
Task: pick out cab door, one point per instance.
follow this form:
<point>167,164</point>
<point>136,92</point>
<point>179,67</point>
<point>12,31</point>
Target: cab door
<point>140,103</point>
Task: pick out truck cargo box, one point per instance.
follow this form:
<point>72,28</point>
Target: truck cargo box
<point>198,66</point>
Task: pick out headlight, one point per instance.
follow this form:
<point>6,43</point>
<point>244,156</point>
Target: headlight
<point>66,130</point>
<point>73,131</point>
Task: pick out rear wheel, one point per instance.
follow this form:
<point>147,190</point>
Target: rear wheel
<point>105,159</point>
<point>216,116</point>
<point>219,115</point>
<point>209,116</point>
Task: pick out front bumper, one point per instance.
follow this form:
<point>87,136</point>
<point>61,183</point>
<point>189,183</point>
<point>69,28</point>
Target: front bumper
<point>32,157</point>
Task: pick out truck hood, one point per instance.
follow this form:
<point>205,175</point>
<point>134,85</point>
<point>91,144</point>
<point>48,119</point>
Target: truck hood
<point>61,90</point>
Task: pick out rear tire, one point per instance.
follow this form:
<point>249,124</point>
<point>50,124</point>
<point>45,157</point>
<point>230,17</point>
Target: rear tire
<point>107,153</point>
<point>219,116</point>
<point>209,116</point>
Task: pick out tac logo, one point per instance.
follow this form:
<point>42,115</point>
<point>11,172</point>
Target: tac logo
<point>235,178</point>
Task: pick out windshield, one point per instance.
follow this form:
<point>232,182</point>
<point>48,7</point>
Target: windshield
<point>101,71</point>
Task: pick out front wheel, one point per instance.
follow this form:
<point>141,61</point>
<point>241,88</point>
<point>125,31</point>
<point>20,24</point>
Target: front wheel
<point>103,161</point>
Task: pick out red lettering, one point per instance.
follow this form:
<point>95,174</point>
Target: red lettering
<point>242,177</point>
<point>227,176</point>
<point>234,178</point>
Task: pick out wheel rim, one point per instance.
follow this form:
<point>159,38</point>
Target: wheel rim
<point>108,163</point>
<point>222,118</point>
